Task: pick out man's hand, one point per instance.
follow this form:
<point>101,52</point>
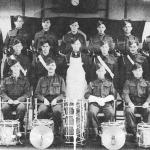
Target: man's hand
<point>146,105</point>
<point>16,102</point>
<point>46,102</point>
<point>131,105</point>
<point>10,101</point>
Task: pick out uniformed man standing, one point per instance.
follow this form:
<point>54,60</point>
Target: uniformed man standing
<point>48,34</point>
<point>14,90</point>
<point>20,33</point>
<point>23,60</point>
<point>100,36</point>
<point>136,92</point>
<point>50,90</point>
<point>39,68</point>
<point>109,61</point>
<point>122,42</point>
<point>132,57</point>
<point>74,34</point>
<point>98,91</point>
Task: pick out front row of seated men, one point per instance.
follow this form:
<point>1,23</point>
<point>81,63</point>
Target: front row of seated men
<point>51,89</point>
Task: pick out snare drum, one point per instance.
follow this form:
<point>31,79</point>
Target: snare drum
<point>42,133</point>
<point>143,135</point>
<point>9,132</point>
<point>113,135</point>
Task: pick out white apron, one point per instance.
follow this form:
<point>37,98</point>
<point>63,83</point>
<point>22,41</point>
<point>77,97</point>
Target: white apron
<point>75,80</point>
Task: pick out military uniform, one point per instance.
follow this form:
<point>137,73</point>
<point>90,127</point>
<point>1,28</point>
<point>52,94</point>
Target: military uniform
<point>136,91</point>
<point>112,63</point>
<point>19,34</point>
<point>24,62</point>
<point>16,90</point>
<point>66,47</point>
<point>100,88</point>
<point>122,43</point>
<point>94,45</point>
<point>38,70</point>
<point>125,67</point>
<point>50,36</point>
<point>50,87</point>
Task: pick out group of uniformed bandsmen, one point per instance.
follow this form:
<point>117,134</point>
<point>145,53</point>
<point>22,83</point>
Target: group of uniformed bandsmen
<point>112,67</point>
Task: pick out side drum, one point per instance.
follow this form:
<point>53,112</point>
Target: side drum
<point>113,135</point>
<point>143,135</point>
<point>9,132</point>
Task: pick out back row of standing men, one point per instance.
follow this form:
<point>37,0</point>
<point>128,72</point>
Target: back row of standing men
<point>117,57</point>
<point>121,51</point>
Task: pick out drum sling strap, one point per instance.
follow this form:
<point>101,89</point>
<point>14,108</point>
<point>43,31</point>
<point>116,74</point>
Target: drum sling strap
<point>42,61</point>
<point>105,66</point>
<point>131,60</point>
<point>21,68</point>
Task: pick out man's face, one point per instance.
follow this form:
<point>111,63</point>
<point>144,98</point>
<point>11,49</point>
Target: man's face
<point>74,27</point>
<point>51,68</point>
<point>138,73</point>
<point>133,48</point>
<point>19,23</point>
<point>45,49</point>
<point>46,25</point>
<point>104,49</point>
<point>101,29</point>
<point>17,48</point>
<point>76,46</point>
<point>101,73</point>
<point>15,70</point>
<point>127,28</point>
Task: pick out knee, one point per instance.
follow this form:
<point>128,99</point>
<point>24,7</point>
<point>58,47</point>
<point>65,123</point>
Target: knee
<point>5,107</point>
<point>21,107</point>
<point>43,108</point>
<point>57,109</point>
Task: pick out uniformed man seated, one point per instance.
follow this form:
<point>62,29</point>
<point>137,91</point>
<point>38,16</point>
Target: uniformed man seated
<point>14,90</point>
<point>50,91</point>
<point>136,92</point>
<point>100,91</point>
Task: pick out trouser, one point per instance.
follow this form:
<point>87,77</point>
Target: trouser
<point>20,112</point>
<point>45,112</point>
<point>94,109</point>
<point>131,122</point>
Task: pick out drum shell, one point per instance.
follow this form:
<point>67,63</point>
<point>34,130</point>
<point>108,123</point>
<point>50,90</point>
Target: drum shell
<point>113,135</point>
<point>9,130</point>
<point>70,119</point>
<point>46,122</point>
<point>143,134</point>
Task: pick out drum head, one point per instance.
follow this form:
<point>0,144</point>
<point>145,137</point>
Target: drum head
<point>113,138</point>
<point>41,137</point>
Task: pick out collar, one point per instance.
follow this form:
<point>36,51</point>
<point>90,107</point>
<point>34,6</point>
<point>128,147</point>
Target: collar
<point>76,55</point>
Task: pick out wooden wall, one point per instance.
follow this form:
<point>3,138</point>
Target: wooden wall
<point>136,10</point>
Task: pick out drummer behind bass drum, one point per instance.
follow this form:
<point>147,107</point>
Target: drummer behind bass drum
<point>50,90</point>
<point>99,91</point>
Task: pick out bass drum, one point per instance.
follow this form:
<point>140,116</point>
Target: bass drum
<point>113,135</point>
<point>41,135</point>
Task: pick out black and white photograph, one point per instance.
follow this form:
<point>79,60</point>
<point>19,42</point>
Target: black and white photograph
<point>74,74</point>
